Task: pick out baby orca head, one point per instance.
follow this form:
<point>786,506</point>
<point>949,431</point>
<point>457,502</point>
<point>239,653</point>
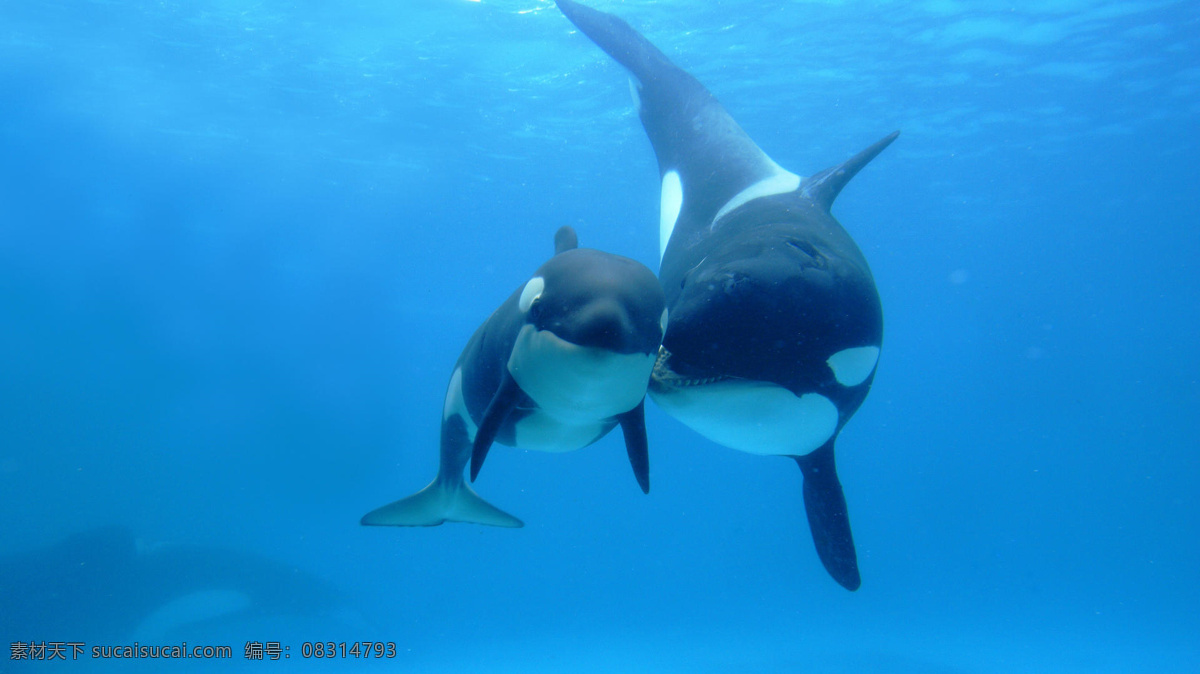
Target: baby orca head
<point>598,300</point>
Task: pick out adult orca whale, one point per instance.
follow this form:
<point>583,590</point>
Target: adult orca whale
<point>562,362</point>
<point>776,323</point>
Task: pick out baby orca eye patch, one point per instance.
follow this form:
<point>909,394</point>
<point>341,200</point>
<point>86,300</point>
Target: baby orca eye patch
<point>532,291</point>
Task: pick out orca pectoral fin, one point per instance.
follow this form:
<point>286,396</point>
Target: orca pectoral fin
<point>633,426</point>
<point>825,505</point>
<point>501,405</point>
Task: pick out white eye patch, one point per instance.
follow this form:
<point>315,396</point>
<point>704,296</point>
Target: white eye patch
<point>533,290</point>
<point>662,322</point>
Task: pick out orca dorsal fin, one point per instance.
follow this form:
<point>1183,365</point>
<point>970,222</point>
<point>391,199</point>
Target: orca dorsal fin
<point>565,239</point>
<point>822,188</point>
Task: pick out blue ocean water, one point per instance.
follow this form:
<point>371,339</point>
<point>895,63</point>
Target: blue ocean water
<point>242,243</point>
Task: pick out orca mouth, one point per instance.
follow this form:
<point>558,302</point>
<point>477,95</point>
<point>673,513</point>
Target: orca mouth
<point>664,378</point>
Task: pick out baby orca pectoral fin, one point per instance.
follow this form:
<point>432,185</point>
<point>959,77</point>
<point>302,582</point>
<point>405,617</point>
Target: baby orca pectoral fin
<point>828,520</point>
<point>501,405</point>
<point>633,426</point>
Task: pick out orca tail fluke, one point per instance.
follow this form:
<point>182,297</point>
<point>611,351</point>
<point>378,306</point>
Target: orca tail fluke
<point>712,158</point>
<point>825,505</point>
<point>437,503</point>
<point>619,40</point>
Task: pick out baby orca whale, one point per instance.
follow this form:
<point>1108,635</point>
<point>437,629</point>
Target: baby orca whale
<point>776,323</point>
<point>562,362</point>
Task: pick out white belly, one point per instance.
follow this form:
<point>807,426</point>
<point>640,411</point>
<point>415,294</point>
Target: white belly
<point>575,383</point>
<point>755,417</point>
<point>578,390</point>
<point>545,433</point>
